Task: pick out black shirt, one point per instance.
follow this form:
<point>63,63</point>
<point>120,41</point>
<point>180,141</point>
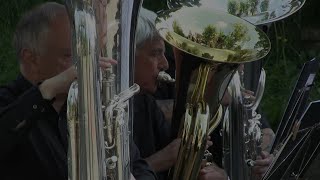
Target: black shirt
<point>33,137</point>
<point>151,132</point>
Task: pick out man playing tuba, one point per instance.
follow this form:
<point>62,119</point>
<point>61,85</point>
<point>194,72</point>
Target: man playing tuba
<point>32,108</point>
<point>151,130</point>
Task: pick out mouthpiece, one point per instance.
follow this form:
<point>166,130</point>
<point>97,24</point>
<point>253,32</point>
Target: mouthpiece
<point>165,77</point>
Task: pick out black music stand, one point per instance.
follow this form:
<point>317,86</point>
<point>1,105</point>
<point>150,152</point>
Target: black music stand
<point>298,154</point>
<point>297,102</point>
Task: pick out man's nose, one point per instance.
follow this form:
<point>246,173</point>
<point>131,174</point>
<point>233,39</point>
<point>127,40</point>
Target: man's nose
<point>163,64</point>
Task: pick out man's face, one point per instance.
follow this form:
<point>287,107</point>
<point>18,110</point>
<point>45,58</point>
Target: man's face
<point>56,54</point>
<point>150,60</point>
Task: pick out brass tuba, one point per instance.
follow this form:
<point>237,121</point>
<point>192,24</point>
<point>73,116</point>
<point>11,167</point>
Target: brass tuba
<point>207,52</point>
<point>98,108</point>
<point>241,130</point>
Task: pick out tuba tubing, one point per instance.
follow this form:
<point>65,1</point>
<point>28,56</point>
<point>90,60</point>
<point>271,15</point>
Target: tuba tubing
<point>98,104</point>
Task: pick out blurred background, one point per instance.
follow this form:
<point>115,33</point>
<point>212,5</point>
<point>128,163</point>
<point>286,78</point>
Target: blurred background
<point>294,40</point>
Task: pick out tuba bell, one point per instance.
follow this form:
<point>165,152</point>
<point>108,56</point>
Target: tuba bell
<point>98,109</point>
<point>207,52</point>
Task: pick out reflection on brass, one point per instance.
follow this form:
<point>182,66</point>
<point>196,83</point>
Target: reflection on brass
<point>242,136</point>
<point>98,109</point>
<point>216,119</point>
<point>254,11</point>
<point>222,37</point>
<point>84,158</point>
<point>207,51</point>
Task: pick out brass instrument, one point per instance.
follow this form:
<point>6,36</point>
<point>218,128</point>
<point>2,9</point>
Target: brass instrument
<point>252,124</point>
<point>255,11</point>
<point>245,144</point>
<point>242,136</point>
<point>207,53</point>
<point>98,109</point>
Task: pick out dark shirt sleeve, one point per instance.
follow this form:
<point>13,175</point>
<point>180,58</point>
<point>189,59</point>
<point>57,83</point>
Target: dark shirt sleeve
<point>17,113</point>
<point>140,168</point>
<point>162,128</point>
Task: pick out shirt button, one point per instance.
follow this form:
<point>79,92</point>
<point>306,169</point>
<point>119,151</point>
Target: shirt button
<point>35,106</point>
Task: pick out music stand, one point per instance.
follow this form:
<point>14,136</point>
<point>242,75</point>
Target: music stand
<point>297,102</point>
<point>297,155</point>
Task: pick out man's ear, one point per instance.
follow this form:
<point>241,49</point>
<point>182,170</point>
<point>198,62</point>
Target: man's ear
<point>27,56</point>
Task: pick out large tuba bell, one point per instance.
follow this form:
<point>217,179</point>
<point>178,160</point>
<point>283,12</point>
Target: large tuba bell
<point>98,109</point>
<point>208,47</point>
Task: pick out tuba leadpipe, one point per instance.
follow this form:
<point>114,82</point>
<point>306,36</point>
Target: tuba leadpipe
<point>207,52</point>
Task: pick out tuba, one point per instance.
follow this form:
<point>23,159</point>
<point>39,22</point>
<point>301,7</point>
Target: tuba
<point>242,136</point>
<point>207,52</point>
<point>241,126</point>
<point>98,104</point>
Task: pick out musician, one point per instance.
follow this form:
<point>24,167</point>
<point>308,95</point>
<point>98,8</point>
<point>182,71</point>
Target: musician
<point>151,132</point>
<point>164,100</point>
<point>33,128</point>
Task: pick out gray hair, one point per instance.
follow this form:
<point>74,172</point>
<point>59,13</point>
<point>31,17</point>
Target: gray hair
<point>146,29</point>
<point>33,27</point>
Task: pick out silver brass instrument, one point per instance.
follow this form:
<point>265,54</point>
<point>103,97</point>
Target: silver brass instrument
<point>252,124</point>
<point>207,51</point>
<point>255,11</point>
<point>242,136</point>
<point>98,109</point>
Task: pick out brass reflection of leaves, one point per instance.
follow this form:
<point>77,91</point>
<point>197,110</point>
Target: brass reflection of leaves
<point>207,55</point>
<point>192,50</point>
<point>213,38</point>
<point>177,28</point>
<point>247,8</point>
<point>240,56</point>
<point>262,45</point>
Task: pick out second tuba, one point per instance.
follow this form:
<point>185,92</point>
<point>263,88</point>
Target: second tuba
<point>208,47</point>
